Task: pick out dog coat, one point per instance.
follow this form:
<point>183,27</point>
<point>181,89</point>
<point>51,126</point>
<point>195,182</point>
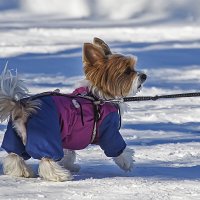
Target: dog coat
<point>67,122</point>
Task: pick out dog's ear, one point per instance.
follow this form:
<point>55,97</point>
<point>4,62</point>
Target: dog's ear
<point>100,43</point>
<point>91,53</point>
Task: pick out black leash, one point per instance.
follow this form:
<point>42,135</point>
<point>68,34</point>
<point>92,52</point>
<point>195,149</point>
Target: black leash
<point>121,100</point>
<point>154,98</point>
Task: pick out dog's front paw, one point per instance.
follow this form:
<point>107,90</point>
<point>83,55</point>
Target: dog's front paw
<point>125,160</point>
<point>68,161</point>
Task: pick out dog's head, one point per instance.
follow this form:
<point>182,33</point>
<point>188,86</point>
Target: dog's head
<point>113,75</point>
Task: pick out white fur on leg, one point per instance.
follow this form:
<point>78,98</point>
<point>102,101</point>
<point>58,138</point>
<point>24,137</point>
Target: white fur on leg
<point>125,159</point>
<point>50,170</point>
<point>14,165</point>
<point>68,161</point>
<point>20,128</point>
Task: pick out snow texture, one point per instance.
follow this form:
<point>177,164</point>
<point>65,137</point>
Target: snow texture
<point>43,40</point>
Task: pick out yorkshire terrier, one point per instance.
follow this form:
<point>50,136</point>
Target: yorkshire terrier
<point>51,126</point>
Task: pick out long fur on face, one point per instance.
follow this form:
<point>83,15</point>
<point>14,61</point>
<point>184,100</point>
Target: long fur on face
<point>110,75</point>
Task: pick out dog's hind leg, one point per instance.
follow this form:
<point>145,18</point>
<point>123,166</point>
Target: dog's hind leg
<point>68,161</point>
<point>52,171</point>
<point>14,165</point>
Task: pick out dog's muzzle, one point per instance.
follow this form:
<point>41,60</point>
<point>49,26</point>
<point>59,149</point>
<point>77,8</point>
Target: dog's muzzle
<point>141,79</point>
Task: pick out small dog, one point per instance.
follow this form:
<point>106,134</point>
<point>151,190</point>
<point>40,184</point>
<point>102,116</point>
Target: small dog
<point>51,126</point>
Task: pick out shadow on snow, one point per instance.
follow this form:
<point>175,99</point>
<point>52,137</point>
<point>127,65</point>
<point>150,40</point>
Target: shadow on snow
<point>189,132</point>
<point>67,63</point>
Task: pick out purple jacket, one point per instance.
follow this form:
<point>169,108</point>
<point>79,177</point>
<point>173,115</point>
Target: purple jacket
<point>77,129</point>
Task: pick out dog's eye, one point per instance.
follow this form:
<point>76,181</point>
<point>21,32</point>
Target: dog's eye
<point>128,71</point>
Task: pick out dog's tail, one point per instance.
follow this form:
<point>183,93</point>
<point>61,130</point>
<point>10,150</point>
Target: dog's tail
<point>12,90</point>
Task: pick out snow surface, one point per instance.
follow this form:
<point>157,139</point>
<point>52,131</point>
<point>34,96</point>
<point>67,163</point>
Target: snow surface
<point>43,40</point>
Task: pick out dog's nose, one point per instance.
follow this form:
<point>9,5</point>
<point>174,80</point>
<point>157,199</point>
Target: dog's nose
<point>143,77</point>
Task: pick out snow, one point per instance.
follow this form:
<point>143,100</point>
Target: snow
<point>43,40</point>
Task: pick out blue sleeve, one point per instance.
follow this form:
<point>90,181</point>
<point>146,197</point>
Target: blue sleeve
<point>110,139</point>
<point>12,143</point>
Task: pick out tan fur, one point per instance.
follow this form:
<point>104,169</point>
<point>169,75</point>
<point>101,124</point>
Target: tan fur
<point>100,43</point>
<point>6,106</point>
<point>108,72</point>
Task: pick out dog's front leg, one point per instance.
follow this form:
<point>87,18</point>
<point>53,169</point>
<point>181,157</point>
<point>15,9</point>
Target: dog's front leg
<point>125,159</point>
<point>68,161</point>
<point>52,171</point>
<point>14,165</point>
